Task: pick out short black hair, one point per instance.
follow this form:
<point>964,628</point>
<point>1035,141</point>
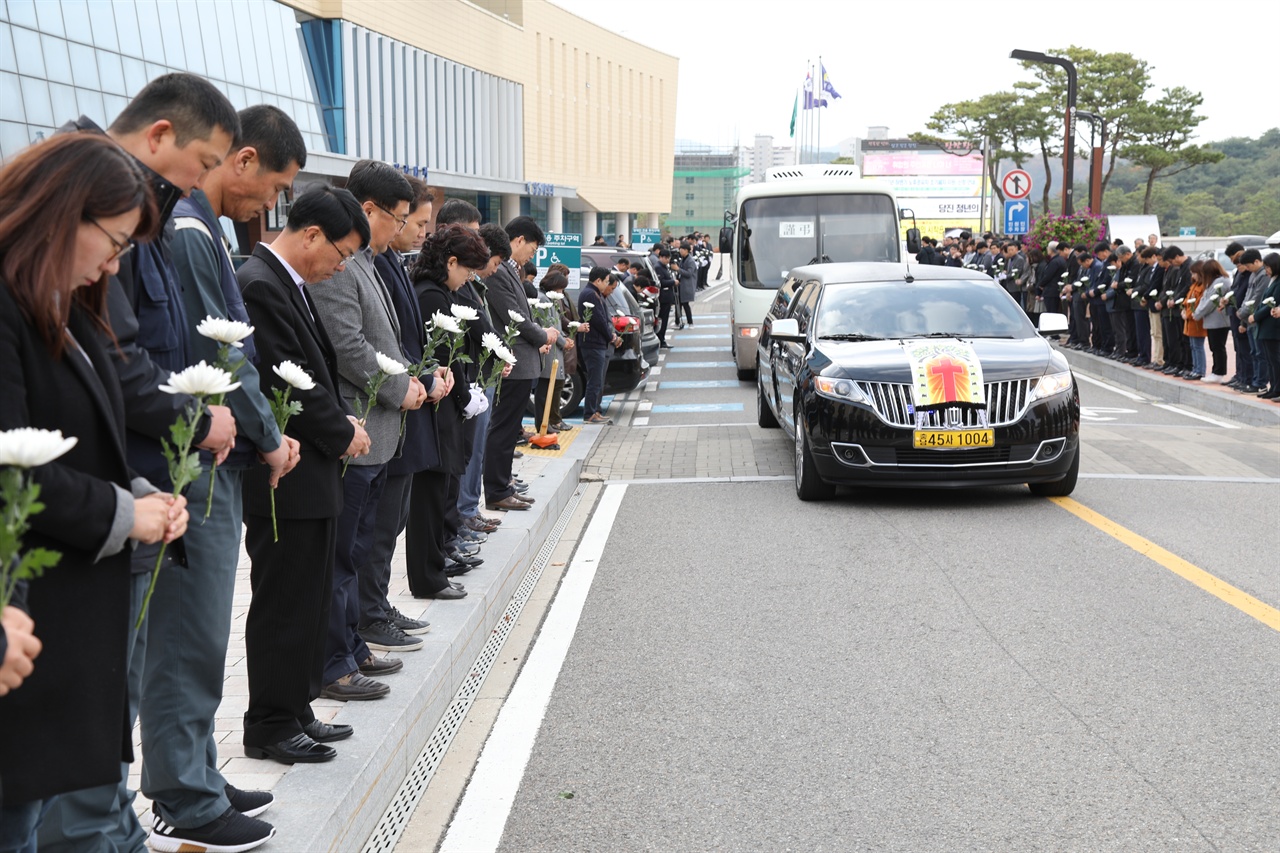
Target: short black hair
<point>524,226</point>
<point>192,104</point>
<point>1171,252</point>
<point>380,183</point>
<point>664,252</point>
<point>421,192</point>
<point>335,211</point>
<point>274,135</point>
<point>1149,252</point>
<point>456,211</point>
<point>1250,255</point>
<point>1272,262</point>
<point>1082,248</point>
<point>1101,246</point>
<point>496,239</point>
<point>1233,247</point>
<point>529,268</point>
<point>598,274</point>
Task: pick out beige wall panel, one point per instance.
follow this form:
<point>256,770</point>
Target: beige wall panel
<point>614,141</point>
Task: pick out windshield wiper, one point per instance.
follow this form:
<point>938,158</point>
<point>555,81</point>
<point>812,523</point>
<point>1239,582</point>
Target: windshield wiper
<point>849,336</point>
<point>965,335</point>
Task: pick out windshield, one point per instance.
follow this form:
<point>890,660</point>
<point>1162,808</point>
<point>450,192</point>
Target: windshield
<point>901,310</point>
<point>781,233</point>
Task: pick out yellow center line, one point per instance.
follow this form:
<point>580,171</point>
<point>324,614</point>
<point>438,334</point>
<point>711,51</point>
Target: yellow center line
<point>1240,600</point>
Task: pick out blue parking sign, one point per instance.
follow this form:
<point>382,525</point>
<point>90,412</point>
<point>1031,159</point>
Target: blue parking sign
<point>1017,217</point>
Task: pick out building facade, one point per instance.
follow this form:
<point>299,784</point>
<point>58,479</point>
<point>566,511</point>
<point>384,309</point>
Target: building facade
<point>763,156</point>
<point>516,105</point>
<point>703,188</point>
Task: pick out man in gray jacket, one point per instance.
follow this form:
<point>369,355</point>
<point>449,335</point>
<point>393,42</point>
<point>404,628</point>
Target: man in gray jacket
<point>506,299</point>
<point>358,313</point>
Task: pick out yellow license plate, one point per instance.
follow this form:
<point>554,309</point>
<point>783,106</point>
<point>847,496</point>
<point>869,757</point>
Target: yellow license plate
<point>953,439</point>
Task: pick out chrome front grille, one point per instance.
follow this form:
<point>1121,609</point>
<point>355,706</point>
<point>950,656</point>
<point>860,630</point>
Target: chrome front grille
<point>1006,403</point>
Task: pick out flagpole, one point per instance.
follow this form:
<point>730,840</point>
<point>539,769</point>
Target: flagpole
<point>818,143</point>
<point>809,82</point>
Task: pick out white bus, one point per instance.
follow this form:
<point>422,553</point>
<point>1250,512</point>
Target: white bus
<point>815,213</point>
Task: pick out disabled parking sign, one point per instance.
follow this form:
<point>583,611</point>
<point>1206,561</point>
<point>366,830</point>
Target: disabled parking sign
<point>561,249</point>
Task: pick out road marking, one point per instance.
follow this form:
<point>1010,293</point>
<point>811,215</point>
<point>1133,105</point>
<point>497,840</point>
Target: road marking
<point>482,815</point>
<point>1180,478</point>
<point>1205,418</point>
<point>679,408</point>
<point>655,371</point>
<point>1114,389</point>
<point>639,421</point>
<point>702,383</point>
<point>1242,601</point>
<point>679,348</point>
<point>676,364</point>
<point>683,481</point>
<point>683,337</point>
<point>1096,413</point>
<point>701,426</point>
<point>644,406</point>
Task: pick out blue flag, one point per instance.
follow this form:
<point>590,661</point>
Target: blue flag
<point>810,100</point>
<point>826,84</point>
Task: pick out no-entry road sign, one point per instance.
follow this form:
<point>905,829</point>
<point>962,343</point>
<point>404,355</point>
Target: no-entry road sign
<point>1015,184</point>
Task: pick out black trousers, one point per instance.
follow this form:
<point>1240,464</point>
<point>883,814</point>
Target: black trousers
<point>375,575</point>
<point>1177,351</point>
<point>1079,314</point>
<point>664,319</point>
<point>1119,333</point>
<point>284,633</point>
<point>500,444</point>
<point>424,533</point>
<point>1218,347</point>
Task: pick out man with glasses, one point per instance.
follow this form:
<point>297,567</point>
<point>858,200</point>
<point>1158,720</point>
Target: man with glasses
<point>293,554</point>
<point>358,312</point>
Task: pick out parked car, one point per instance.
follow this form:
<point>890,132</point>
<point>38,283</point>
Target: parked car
<point>889,375</point>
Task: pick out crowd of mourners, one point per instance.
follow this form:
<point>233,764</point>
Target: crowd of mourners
<point>337,395</point>
<point>1144,305</point>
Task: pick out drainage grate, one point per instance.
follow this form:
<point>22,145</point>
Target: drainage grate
<point>396,817</point>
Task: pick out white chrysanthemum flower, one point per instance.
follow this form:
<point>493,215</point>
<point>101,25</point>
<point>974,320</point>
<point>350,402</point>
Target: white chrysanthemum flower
<point>446,322</point>
<point>1153,293</point>
<point>1128,279</point>
<point>294,375</point>
<point>389,365</point>
<point>490,341</point>
<point>28,447</point>
<point>590,305</point>
<point>200,380</point>
<point>555,294</point>
<point>224,331</point>
<point>533,303</point>
<point>464,312</point>
<point>500,350</point>
<point>516,316</point>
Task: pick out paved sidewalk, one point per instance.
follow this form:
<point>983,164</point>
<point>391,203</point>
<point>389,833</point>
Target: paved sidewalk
<point>1211,399</point>
<point>335,806</point>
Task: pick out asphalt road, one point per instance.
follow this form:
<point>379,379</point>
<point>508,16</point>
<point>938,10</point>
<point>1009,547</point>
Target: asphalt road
<point>919,671</point>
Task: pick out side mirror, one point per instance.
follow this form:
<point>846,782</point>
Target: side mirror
<point>786,329</point>
<point>913,240</point>
<point>1052,323</point>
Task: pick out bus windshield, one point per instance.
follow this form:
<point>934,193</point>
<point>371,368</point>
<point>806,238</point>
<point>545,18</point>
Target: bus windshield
<point>778,233</point>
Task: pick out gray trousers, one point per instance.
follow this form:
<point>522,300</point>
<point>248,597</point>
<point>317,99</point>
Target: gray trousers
<point>188,627</point>
<point>101,819</point>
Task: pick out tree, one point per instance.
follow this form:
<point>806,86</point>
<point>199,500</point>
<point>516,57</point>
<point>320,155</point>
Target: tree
<point>995,119</point>
<point>1162,137</point>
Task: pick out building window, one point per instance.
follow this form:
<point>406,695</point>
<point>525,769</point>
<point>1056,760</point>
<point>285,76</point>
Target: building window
<point>688,213</point>
<point>688,196</point>
<point>688,180</point>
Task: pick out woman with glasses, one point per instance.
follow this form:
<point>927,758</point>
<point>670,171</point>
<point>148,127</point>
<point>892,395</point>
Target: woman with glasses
<point>69,209</point>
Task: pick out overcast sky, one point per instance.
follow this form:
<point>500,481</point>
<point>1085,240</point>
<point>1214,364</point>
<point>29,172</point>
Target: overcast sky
<point>895,62</point>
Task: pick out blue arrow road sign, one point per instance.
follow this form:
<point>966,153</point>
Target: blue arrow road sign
<point>1017,217</point>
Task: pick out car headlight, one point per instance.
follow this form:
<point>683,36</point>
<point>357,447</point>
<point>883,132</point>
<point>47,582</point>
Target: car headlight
<point>1050,384</point>
<point>844,390</point>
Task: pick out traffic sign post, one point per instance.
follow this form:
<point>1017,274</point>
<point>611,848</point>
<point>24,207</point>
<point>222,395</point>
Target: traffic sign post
<point>1017,217</point>
<point>561,249</point>
<point>643,238</point>
<point>1015,184</point>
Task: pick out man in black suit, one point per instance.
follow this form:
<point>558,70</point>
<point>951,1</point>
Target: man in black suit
<point>1050,281</point>
<point>292,577</point>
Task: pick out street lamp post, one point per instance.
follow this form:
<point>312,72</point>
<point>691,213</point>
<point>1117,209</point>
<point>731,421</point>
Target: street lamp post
<point>1069,145</point>
<point>1095,160</point>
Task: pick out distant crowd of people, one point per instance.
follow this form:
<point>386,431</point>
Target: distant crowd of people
<point>1147,306</point>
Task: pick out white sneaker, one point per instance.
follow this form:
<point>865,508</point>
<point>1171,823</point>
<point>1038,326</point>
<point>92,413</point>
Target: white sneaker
<point>1212,379</point>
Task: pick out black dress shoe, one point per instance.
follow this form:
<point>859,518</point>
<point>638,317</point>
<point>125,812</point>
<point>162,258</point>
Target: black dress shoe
<point>376,666</point>
<point>356,688</point>
<point>327,732</point>
<point>452,569</point>
<point>299,749</point>
<point>446,594</point>
<point>469,560</point>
